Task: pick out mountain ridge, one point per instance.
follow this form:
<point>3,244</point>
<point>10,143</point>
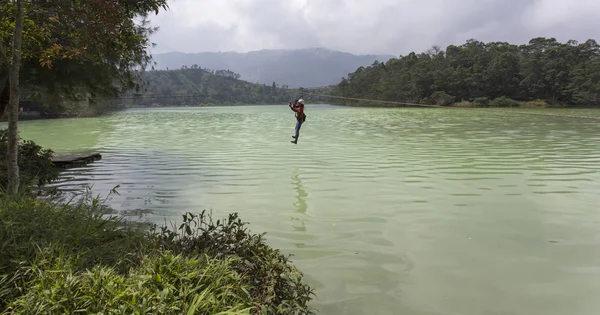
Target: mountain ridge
<point>306,67</point>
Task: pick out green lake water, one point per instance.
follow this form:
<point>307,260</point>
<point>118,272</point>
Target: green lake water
<point>387,211</point>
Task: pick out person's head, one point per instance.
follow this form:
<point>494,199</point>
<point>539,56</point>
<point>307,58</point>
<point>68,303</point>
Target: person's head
<point>300,102</point>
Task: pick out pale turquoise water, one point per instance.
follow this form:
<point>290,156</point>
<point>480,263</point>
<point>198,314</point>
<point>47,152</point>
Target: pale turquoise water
<point>388,211</point>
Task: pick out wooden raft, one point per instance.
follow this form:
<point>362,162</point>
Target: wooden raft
<point>74,159</point>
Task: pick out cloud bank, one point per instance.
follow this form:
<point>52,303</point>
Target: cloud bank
<point>367,26</point>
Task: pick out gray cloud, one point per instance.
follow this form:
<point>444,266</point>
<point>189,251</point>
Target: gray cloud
<point>367,26</point>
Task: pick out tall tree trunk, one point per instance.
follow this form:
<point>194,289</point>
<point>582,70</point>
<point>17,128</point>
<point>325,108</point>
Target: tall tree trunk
<point>4,93</point>
<point>4,82</point>
<point>12,155</point>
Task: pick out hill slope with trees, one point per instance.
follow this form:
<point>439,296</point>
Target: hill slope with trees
<point>544,69</point>
<point>190,86</point>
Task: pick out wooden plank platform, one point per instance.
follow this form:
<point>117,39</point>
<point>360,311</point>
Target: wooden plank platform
<point>74,159</point>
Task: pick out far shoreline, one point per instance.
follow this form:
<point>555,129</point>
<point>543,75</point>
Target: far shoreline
<point>423,106</point>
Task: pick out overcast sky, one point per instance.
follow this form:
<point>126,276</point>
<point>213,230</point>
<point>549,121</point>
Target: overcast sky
<point>367,26</point>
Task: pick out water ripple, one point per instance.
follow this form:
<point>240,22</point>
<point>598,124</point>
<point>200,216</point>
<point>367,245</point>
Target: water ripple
<point>387,210</point>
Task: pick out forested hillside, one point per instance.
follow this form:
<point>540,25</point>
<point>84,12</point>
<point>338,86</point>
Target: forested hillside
<point>545,69</point>
<point>198,86</point>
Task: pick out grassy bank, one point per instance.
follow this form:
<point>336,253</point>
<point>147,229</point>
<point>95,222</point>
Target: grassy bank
<point>483,102</point>
<point>68,258</point>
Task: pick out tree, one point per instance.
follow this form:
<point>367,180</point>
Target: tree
<point>544,69</point>
<point>70,50</point>
<point>83,49</point>
<point>12,152</point>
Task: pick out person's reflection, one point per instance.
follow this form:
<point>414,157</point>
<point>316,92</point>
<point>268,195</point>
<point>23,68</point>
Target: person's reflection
<point>300,204</point>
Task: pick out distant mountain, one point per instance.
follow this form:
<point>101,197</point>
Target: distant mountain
<point>311,67</point>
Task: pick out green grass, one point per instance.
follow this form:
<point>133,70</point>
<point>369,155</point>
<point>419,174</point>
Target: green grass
<point>162,284</point>
<point>71,258</point>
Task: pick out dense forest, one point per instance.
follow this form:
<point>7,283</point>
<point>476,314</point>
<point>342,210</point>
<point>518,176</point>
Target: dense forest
<point>191,86</point>
<point>495,73</point>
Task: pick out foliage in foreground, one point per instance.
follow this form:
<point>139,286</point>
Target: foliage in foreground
<point>60,258</point>
<point>35,166</point>
<point>72,48</point>
<point>277,285</point>
<point>163,284</point>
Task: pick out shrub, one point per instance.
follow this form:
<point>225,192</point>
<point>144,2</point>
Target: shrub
<point>83,224</point>
<point>35,165</point>
<point>28,225</point>
<point>442,98</point>
<point>57,258</point>
<point>504,101</point>
<point>464,104</point>
<point>276,281</point>
<point>535,103</point>
<point>481,101</point>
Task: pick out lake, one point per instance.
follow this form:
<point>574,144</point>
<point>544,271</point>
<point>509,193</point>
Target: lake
<point>387,211</point>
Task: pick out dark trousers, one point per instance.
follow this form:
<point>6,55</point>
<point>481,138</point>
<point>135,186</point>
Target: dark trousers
<point>298,125</point>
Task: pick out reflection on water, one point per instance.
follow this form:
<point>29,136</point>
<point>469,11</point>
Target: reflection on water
<point>387,211</point>
<point>300,205</point>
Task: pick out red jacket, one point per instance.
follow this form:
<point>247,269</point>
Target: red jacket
<point>299,109</point>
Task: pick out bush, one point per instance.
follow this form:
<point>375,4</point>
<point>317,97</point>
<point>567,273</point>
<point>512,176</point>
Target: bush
<point>28,225</point>
<point>504,102</point>
<point>35,165</point>
<point>535,103</point>
<point>481,101</point>
<point>276,283</point>
<point>464,104</point>
<point>442,98</point>
<point>58,258</point>
<point>45,222</point>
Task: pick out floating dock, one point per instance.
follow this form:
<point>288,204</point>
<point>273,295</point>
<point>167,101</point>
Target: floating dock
<point>74,159</point>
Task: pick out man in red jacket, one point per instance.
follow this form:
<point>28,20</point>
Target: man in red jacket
<point>298,107</point>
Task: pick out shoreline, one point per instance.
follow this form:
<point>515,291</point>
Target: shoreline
<point>467,107</point>
<point>425,106</point>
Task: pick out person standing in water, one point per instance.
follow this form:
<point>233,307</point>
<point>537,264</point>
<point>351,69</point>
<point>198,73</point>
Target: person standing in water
<point>298,108</point>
